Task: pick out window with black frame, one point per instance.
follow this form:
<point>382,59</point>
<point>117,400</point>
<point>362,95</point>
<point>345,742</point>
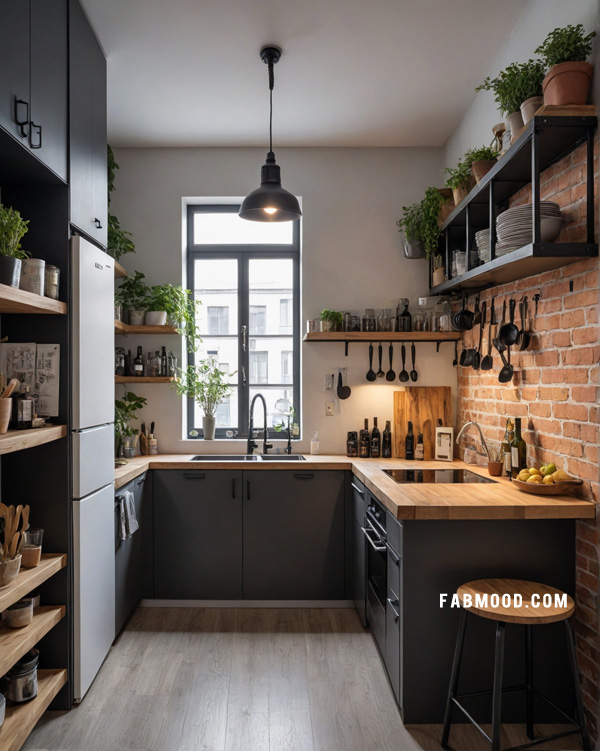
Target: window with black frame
<point>246,275</point>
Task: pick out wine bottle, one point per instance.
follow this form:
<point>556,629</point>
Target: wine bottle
<point>138,363</point>
<point>505,446</point>
<point>386,442</point>
<point>25,410</point>
<point>163,362</point>
<point>409,442</point>
<point>518,450</point>
<point>364,442</point>
<point>375,441</point>
<point>420,448</point>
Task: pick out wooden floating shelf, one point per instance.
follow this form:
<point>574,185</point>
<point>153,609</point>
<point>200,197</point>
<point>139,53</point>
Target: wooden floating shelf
<point>31,578</point>
<point>14,300</point>
<point>143,379</point>
<point>15,642</point>
<point>125,328</point>
<point>17,440</point>
<point>382,336</point>
<point>22,718</point>
<point>120,271</point>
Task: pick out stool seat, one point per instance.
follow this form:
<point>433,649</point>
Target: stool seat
<point>525,602</point>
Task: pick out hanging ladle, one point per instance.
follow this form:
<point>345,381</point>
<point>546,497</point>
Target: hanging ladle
<point>509,333</point>
<point>500,346</point>
<point>380,372</point>
<point>404,372</point>
<point>343,392</point>
<point>488,361</point>
<point>371,375</point>
<point>391,374</point>
<point>414,376</point>
<point>477,354</point>
<point>506,372</point>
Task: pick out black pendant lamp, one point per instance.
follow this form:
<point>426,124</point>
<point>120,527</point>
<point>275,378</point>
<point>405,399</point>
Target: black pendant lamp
<point>270,202</point>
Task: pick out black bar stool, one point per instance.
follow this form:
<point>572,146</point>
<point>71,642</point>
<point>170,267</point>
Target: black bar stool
<point>484,597</point>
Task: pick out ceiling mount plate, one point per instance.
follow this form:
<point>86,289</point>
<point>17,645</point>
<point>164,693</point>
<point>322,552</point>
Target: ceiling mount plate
<point>270,54</point>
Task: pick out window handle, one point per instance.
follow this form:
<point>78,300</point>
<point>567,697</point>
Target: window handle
<point>244,332</point>
<point>244,381</point>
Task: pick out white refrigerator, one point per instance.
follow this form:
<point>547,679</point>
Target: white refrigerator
<point>92,423</point>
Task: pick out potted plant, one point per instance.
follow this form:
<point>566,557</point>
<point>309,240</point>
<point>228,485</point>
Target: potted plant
<point>207,386</point>
<point>125,413</point>
<point>411,225</point>
<point>460,181</point>
<point>331,320</point>
<point>513,86</point>
<point>179,305</point>
<point>10,549</point>
<point>565,52</point>
<point>436,206</point>
<point>481,160</point>
<point>118,240</point>
<point>133,292</point>
<point>12,229</point>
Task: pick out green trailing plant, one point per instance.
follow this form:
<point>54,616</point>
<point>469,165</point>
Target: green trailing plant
<point>119,241</point>
<point>483,153</point>
<point>126,410</point>
<point>133,292</point>
<point>567,45</point>
<point>334,317</point>
<point>180,306</point>
<point>430,232</point>
<point>516,83</point>
<point>412,222</point>
<point>12,229</point>
<point>459,176</point>
<point>205,384</point>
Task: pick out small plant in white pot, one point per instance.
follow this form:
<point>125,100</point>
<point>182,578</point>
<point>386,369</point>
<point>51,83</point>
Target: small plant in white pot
<point>208,387</point>
<point>133,293</point>
<point>12,229</point>
<point>331,320</point>
<point>178,304</point>
<point>11,541</point>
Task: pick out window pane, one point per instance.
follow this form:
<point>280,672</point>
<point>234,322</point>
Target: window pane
<point>272,395</point>
<point>224,351</point>
<point>216,286</point>
<point>277,354</point>
<point>226,228</point>
<point>259,367</point>
<point>218,319</point>
<point>271,291</point>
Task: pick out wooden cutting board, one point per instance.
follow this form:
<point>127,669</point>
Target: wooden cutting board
<point>423,406</point>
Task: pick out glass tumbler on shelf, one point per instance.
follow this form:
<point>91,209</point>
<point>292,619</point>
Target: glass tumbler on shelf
<point>384,320</point>
<point>355,323</point>
<point>368,321</point>
<point>347,322</point>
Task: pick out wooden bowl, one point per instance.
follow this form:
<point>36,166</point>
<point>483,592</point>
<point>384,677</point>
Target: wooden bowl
<point>538,488</point>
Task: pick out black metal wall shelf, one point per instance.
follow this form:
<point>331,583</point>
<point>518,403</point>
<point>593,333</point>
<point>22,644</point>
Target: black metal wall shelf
<point>544,141</point>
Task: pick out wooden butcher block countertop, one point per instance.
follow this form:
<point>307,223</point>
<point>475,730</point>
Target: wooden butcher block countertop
<point>498,500</point>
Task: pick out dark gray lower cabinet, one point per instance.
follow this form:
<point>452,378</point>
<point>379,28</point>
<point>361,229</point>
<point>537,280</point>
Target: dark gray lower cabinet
<point>128,555</point>
<point>197,534</point>
<point>393,606</point>
<point>355,546</point>
<point>294,535</point>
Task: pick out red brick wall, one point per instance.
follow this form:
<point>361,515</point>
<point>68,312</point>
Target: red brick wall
<point>555,391</point>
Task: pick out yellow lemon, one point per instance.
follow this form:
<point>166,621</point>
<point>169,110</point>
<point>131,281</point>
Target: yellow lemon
<point>533,471</point>
<point>535,478</point>
<point>548,480</point>
<point>523,476</point>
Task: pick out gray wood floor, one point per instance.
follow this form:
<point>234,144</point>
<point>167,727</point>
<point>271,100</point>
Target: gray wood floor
<point>192,679</point>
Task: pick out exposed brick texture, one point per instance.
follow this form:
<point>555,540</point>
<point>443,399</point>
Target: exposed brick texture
<point>555,390</point>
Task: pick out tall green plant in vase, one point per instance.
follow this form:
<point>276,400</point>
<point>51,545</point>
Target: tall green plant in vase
<point>208,387</point>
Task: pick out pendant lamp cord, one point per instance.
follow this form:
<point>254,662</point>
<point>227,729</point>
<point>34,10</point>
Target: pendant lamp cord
<point>271,84</point>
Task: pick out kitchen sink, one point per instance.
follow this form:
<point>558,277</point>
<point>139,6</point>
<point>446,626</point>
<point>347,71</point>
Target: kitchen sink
<point>248,458</point>
<point>282,458</point>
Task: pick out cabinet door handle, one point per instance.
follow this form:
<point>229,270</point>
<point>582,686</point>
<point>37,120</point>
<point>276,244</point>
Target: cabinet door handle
<point>233,488</point>
<point>21,122</point>
<point>358,490</point>
<point>394,611</point>
<point>32,129</point>
<point>98,223</point>
<point>139,482</point>
<point>303,476</point>
<point>248,489</point>
<point>393,554</point>
<point>194,476</point>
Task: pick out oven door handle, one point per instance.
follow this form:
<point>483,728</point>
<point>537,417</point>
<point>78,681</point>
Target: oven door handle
<point>379,548</point>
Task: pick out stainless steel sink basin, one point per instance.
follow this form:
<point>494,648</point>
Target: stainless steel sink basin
<point>282,458</point>
<point>225,458</point>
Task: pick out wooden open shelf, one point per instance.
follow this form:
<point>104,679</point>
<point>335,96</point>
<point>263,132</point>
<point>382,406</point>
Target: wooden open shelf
<point>125,328</point>
<point>21,718</point>
<point>15,642</point>
<point>17,440</point>
<point>143,379</point>
<point>382,336</point>
<point>14,300</point>
<point>31,578</point>
<point>120,271</point>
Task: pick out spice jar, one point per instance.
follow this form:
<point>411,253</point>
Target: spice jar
<point>368,321</point>
<point>52,282</point>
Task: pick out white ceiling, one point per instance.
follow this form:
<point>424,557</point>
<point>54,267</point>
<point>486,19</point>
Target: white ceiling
<point>352,72</point>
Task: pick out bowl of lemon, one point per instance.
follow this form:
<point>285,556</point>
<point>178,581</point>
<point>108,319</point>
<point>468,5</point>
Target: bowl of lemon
<point>545,480</point>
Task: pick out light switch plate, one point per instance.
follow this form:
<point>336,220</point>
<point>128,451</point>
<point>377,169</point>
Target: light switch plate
<point>329,407</point>
<point>328,383</point>
<point>444,444</point>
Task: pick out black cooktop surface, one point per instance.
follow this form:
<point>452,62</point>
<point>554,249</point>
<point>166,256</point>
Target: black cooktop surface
<point>404,476</point>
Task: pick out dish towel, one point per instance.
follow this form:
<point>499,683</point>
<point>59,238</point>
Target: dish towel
<point>129,522</point>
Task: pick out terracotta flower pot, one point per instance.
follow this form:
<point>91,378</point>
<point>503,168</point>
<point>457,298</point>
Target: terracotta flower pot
<point>445,210</point>
<point>481,167</point>
<point>567,83</point>
<point>514,123</point>
<point>495,468</point>
<point>530,107</point>
<point>460,194</point>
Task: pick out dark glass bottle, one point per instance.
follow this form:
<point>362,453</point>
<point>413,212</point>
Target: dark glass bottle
<point>352,443</point>
<point>420,448</point>
<point>410,442</point>
<point>138,363</point>
<point>128,363</point>
<point>364,442</point>
<point>163,362</point>
<point>386,442</point>
<point>505,446</point>
<point>375,441</point>
<point>405,319</point>
<point>25,410</point>
<point>518,450</point>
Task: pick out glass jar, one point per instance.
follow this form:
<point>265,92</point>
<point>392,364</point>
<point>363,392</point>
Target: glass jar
<point>355,323</point>
<point>384,320</point>
<point>421,321</point>
<point>347,322</point>
<point>443,315</point>
<point>368,321</point>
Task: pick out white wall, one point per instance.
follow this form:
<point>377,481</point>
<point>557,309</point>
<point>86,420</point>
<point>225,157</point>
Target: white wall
<point>538,19</point>
<point>351,259</point>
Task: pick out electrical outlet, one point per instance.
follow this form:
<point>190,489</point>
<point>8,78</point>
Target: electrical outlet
<point>329,409</point>
<point>328,383</point>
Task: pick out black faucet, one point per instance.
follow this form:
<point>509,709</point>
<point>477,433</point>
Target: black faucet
<point>251,444</point>
<point>288,448</point>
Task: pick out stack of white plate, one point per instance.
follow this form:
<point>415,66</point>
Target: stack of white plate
<point>514,226</point>
<point>482,240</point>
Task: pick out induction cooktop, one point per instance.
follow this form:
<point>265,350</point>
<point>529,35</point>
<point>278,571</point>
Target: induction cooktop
<point>404,476</point>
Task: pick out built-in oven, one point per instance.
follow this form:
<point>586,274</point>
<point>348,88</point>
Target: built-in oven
<point>376,564</point>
